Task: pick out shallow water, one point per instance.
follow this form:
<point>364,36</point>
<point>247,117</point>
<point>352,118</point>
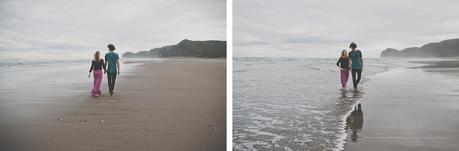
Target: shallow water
<point>293,103</point>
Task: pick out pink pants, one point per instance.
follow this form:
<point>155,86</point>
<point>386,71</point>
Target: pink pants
<point>344,77</point>
<point>97,74</point>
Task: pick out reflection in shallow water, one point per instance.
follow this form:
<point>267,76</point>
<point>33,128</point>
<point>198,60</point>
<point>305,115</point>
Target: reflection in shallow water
<point>278,107</point>
<point>354,122</point>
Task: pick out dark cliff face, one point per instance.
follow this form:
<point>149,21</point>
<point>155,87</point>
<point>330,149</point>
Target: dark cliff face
<point>390,52</point>
<point>445,48</point>
<point>185,48</point>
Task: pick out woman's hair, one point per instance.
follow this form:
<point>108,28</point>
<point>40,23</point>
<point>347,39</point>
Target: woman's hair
<point>111,47</point>
<point>97,55</point>
<point>353,45</point>
<point>343,54</point>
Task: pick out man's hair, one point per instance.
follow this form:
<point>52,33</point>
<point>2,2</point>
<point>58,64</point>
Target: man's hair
<point>111,47</point>
<point>353,45</point>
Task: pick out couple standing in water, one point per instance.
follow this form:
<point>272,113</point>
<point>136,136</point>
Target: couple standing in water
<point>111,66</point>
<point>350,62</point>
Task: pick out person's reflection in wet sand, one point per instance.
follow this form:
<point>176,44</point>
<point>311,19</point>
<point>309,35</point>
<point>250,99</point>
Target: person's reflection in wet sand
<point>355,122</point>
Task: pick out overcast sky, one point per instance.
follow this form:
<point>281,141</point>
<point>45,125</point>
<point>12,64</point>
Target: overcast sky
<point>322,28</point>
<point>44,28</point>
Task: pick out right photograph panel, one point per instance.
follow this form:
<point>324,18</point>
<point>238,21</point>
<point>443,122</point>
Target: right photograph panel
<point>345,75</point>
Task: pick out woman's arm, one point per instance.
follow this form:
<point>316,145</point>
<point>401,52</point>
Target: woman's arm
<point>92,66</point>
<point>90,69</point>
<point>337,63</point>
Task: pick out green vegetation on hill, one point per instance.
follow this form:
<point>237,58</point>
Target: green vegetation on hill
<point>185,48</point>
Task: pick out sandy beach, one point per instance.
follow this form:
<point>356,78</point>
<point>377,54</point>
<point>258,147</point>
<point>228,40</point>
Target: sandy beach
<point>177,104</point>
<point>408,109</point>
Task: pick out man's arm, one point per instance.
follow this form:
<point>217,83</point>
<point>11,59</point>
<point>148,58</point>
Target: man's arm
<point>118,65</point>
<point>105,63</point>
<point>350,64</point>
<point>361,59</point>
<point>104,66</point>
<point>350,60</point>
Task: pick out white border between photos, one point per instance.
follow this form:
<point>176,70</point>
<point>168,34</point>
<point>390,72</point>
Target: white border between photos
<point>229,75</point>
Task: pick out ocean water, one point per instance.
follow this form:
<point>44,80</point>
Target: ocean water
<point>294,103</point>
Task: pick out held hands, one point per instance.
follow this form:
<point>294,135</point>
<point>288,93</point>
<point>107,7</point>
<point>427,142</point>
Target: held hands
<point>118,73</point>
<point>89,75</point>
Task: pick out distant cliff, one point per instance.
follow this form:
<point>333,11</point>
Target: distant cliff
<point>445,48</point>
<point>185,48</point>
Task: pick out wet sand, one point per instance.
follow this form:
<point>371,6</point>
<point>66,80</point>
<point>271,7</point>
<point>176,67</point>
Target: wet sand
<point>178,104</point>
<point>408,109</point>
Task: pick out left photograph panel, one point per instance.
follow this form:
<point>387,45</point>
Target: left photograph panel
<point>113,75</point>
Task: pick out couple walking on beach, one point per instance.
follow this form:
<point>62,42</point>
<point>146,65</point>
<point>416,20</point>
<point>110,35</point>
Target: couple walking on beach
<point>111,66</point>
<point>350,62</point>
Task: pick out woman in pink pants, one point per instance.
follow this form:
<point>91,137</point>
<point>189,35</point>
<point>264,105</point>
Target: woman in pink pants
<point>97,65</point>
<point>343,64</point>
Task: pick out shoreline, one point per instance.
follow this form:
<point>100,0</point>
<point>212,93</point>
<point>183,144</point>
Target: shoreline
<point>183,105</point>
<point>344,139</point>
<point>400,108</point>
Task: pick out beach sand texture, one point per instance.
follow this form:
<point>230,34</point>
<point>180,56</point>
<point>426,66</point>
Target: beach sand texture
<point>409,109</point>
<point>178,104</point>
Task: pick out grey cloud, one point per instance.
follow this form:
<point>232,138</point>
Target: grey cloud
<point>86,25</point>
<point>310,28</point>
